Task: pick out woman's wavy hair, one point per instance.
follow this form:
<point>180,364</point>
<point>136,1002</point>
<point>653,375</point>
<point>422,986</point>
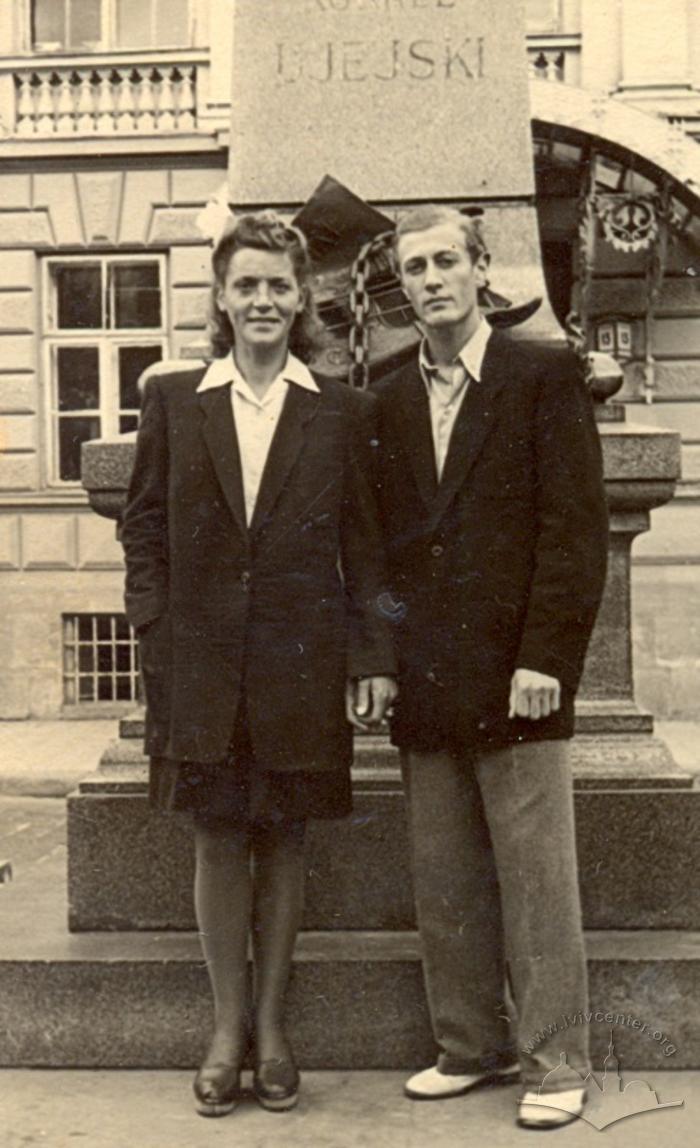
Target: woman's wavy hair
<point>264,231</point>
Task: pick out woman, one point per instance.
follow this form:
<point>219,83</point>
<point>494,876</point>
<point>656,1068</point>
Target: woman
<point>254,580</point>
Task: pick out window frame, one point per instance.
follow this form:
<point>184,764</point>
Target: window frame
<point>108,342</point>
<point>108,31</point>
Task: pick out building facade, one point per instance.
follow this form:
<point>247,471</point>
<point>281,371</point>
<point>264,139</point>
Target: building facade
<point>114,133</point>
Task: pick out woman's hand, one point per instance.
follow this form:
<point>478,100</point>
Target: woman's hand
<point>368,700</point>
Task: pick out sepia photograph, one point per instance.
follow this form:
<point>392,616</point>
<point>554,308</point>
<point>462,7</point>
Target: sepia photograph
<point>349,573</point>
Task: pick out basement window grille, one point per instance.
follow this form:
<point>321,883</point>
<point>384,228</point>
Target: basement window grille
<point>100,659</point>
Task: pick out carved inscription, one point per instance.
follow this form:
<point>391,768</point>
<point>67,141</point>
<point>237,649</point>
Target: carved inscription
<point>381,5</point>
<point>356,61</point>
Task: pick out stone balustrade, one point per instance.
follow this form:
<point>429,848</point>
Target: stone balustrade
<point>556,59</point>
<point>106,96</point>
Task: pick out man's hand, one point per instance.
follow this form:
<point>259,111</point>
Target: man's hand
<point>533,695</point>
<point>368,699</point>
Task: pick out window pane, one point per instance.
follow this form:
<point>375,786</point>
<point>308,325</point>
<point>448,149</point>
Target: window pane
<point>78,378</point>
<point>48,21</point>
<point>84,23</point>
<point>171,22</point>
<point>136,292</point>
<point>85,627</point>
<point>72,432</point>
<point>78,295</point>
<point>87,690</point>
<point>104,629</point>
<point>104,688</point>
<point>124,689</point>
<point>134,23</point>
<point>128,423</point>
<point>132,363</point>
<point>542,15</point>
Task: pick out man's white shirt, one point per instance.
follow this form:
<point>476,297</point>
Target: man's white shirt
<point>255,419</point>
<point>448,386</point>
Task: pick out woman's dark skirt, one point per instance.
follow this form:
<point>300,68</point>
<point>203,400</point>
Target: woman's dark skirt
<point>240,792</point>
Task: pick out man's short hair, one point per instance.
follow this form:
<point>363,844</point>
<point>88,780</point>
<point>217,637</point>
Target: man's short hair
<point>433,215</point>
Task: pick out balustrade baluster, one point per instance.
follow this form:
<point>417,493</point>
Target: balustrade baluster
<point>86,105</point>
<point>146,121</point>
<point>25,104</point>
<point>166,101</point>
<point>65,106</point>
<point>186,101</point>
<point>105,104</point>
<point>126,105</point>
<point>46,121</point>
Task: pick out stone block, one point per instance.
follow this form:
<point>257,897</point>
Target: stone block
<point>114,839</point>
<point>195,185</point>
<point>57,192</point>
<point>331,82</point>
<point>19,472</point>
<point>27,229</point>
<point>18,432</point>
<point>143,191</point>
<point>358,869</point>
<point>674,534</point>
<point>18,393</point>
<point>48,542</point>
<point>189,308</point>
<point>174,225</point>
<point>677,379</point>
<point>9,542</point>
<point>17,268</point>
<point>18,352</point>
<point>100,194</point>
<point>17,312</point>
<point>190,266</point>
<point>15,191</point>
<point>98,548</point>
<point>356,1001</point>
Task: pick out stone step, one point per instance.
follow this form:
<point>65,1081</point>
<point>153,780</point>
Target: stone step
<point>141,1000</point>
<point>638,848</point>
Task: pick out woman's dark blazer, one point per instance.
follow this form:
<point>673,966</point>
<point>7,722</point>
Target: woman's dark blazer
<point>285,610</point>
<point>502,564</point>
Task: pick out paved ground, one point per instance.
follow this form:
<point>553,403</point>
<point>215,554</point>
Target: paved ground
<point>337,1110</point>
<point>48,758</point>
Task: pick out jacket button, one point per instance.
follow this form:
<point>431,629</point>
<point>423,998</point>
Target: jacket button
<point>245,579</point>
<point>437,550</point>
<point>431,676</point>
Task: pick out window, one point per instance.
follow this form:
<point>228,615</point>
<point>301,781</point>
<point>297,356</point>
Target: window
<point>100,659</point>
<point>542,15</point>
<point>58,25</point>
<point>103,326</point>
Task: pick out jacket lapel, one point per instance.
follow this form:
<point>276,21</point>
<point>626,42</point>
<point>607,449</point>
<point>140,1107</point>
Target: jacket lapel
<point>474,423</point>
<point>299,408</point>
<point>413,419</point>
<point>220,436</point>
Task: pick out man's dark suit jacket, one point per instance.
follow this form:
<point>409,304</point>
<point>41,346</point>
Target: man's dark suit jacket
<point>502,564</point>
<point>222,607</point>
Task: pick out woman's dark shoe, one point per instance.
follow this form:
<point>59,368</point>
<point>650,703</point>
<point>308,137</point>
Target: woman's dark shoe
<point>217,1089</point>
<point>276,1084</point>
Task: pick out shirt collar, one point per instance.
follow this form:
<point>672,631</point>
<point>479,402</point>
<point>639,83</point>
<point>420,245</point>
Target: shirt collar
<point>223,371</point>
<point>471,355</point>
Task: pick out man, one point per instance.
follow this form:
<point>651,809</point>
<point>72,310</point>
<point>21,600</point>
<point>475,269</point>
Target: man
<point>496,526</point>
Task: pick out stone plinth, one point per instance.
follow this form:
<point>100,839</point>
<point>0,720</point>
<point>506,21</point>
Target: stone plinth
<point>336,82</point>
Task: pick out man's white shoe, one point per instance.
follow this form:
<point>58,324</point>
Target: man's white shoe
<point>550,1109</point>
<point>431,1084</point>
